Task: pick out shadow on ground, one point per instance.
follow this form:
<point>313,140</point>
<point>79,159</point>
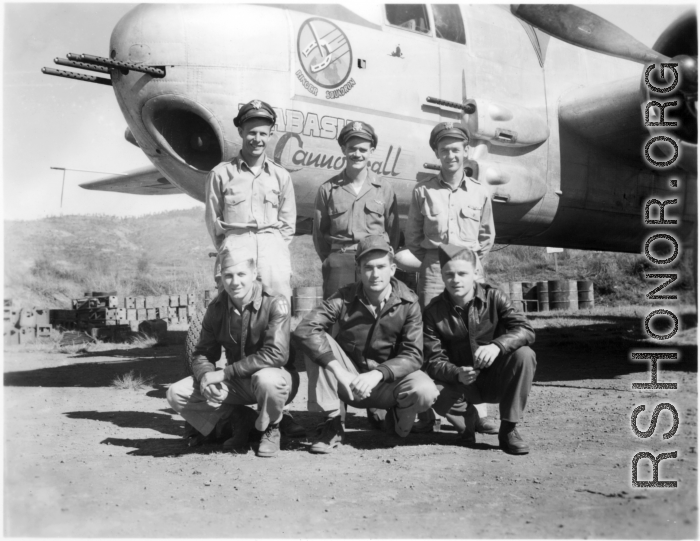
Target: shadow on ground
<point>598,350</point>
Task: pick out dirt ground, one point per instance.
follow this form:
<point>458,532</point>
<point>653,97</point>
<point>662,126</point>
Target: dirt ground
<point>85,459</point>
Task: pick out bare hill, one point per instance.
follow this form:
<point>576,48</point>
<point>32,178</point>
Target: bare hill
<point>50,261</point>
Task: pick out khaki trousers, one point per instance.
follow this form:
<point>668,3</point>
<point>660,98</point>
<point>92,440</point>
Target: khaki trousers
<point>506,382</point>
<point>269,388</point>
<point>273,259</point>
<point>411,394</point>
<point>338,270</point>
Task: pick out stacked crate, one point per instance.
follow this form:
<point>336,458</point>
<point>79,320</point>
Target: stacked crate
<point>113,311</point>
<point>24,325</point>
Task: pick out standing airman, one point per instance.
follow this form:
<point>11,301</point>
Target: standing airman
<point>449,208</point>
<point>351,206</point>
<point>250,201</point>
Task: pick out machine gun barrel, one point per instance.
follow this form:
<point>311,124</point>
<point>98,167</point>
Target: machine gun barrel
<point>100,61</point>
<point>468,108</point>
<point>78,76</point>
<point>81,65</point>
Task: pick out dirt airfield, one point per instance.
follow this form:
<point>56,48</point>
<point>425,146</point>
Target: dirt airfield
<point>84,459</point>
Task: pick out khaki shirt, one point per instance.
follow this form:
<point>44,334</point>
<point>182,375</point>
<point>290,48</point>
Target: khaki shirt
<point>343,217</point>
<point>442,215</point>
<point>238,199</point>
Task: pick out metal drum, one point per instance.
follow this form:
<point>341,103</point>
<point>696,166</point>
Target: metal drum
<point>530,296</point>
<point>573,295</point>
<point>585,294</point>
<point>516,295</point>
<point>558,294</point>
<point>306,299</point>
<point>543,296</point>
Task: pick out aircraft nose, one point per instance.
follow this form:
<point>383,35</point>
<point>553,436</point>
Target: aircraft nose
<point>186,129</point>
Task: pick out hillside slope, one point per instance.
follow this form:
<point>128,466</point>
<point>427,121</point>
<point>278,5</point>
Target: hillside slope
<point>50,261</point>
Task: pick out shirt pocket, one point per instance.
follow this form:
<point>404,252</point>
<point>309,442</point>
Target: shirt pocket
<point>434,218</point>
<point>272,205</point>
<point>374,217</point>
<point>469,223</point>
<point>339,213</point>
<point>235,208</point>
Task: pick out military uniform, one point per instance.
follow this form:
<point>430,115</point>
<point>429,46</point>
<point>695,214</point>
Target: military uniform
<point>254,211</point>
<point>440,214</point>
<point>389,340</point>
<point>342,217</point>
<point>256,342</point>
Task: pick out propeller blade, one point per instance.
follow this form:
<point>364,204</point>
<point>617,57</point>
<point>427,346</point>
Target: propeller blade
<point>582,28</point>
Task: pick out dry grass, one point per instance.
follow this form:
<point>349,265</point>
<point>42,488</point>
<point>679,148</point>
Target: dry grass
<point>132,381</point>
<point>50,261</point>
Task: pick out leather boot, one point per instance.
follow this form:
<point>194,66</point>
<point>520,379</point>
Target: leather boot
<point>510,441</point>
<point>468,437</point>
<point>332,434</point>
<point>269,442</point>
<point>242,422</point>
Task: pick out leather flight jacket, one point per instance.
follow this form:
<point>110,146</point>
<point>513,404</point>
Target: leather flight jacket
<point>391,342</point>
<point>448,342</point>
<point>264,336</point>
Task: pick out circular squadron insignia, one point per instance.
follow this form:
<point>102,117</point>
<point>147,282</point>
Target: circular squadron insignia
<point>324,53</point>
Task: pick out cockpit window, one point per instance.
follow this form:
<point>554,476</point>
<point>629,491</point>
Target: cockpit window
<point>448,23</point>
<point>409,16</point>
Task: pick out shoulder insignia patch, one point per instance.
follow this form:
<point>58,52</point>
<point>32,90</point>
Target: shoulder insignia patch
<point>282,305</point>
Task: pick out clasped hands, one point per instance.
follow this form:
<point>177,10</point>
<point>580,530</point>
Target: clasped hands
<point>358,386</point>
<point>483,358</point>
<point>209,386</point>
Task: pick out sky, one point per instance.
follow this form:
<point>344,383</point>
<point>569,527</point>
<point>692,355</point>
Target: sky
<point>50,121</point>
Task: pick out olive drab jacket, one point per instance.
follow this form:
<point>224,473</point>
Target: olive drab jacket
<point>238,199</point>
<point>451,334</point>
<point>343,217</point>
<point>440,215</point>
<point>262,341</point>
<point>391,342</point>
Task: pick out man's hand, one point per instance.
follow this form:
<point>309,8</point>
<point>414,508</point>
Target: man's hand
<point>209,385</point>
<point>343,377</point>
<point>363,384</point>
<point>485,355</point>
<point>467,375</point>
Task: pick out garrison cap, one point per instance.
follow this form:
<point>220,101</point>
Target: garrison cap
<point>254,109</point>
<point>448,252</point>
<point>357,129</point>
<point>447,129</point>
<point>231,258</point>
<point>372,243</point>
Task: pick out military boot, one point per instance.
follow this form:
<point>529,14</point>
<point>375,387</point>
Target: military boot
<point>242,423</point>
<point>468,436</point>
<point>332,434</point>
<point>510,441</point>
<point>269,441</point>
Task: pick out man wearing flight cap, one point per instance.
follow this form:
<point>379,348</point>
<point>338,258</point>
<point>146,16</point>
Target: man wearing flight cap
<point>350,206</point>
<point>449,208</point>
<point>476,348</point>
<point>250,201</point>
<point>376,358</point>
<point>253,327</point>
